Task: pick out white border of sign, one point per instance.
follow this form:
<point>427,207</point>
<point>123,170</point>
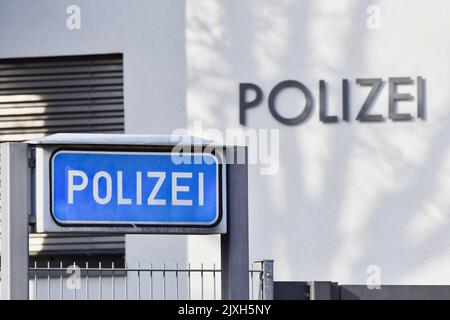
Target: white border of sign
<point>46,224</point>
<point>165,223</point>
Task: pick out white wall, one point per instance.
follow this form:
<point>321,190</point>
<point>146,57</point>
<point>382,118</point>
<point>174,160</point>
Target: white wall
<point>347,195</point>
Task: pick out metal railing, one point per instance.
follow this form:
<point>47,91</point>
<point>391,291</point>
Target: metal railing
<point>140,282</point>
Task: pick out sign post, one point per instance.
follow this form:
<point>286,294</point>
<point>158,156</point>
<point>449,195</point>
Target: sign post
<point>14,206</point>
<point>234,244</point>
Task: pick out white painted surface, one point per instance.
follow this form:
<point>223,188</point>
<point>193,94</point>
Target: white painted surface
<point>123,139</point>
<point>347,195</point>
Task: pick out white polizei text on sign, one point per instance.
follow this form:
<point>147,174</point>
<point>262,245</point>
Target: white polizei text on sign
<point>104,195</point>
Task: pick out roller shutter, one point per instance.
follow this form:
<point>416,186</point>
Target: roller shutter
<point>41,96</point>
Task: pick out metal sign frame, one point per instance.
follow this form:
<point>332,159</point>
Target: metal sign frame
<point>45,223</point>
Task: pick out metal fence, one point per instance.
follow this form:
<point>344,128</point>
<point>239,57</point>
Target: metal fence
<point>140,282</point>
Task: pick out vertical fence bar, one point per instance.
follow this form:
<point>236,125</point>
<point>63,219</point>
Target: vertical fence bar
<point>139,280</point>
<point>151,280</point>
<point>87,280</point>
<point>126,281</point>
<point>176,278</point>
<point>189,281</point>
<point>35,281</point>
<point>113,293</point>
<point>214,279</point>
<point>61,294</point>
<point>74,281</point>
<point>201,279</point>
<point>164,281</point>
<point>100,293</point>
<point>48,280</point>
<point>251,285</point>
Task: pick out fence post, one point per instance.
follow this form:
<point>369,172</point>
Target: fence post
<point>14,204</point>
<point>266,288</point>
<point>234,244</point>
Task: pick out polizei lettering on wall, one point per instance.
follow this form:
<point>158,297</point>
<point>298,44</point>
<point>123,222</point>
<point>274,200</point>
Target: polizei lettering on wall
<point>395,94</point>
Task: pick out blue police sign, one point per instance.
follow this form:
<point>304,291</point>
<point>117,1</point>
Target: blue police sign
<point>138,188</point>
